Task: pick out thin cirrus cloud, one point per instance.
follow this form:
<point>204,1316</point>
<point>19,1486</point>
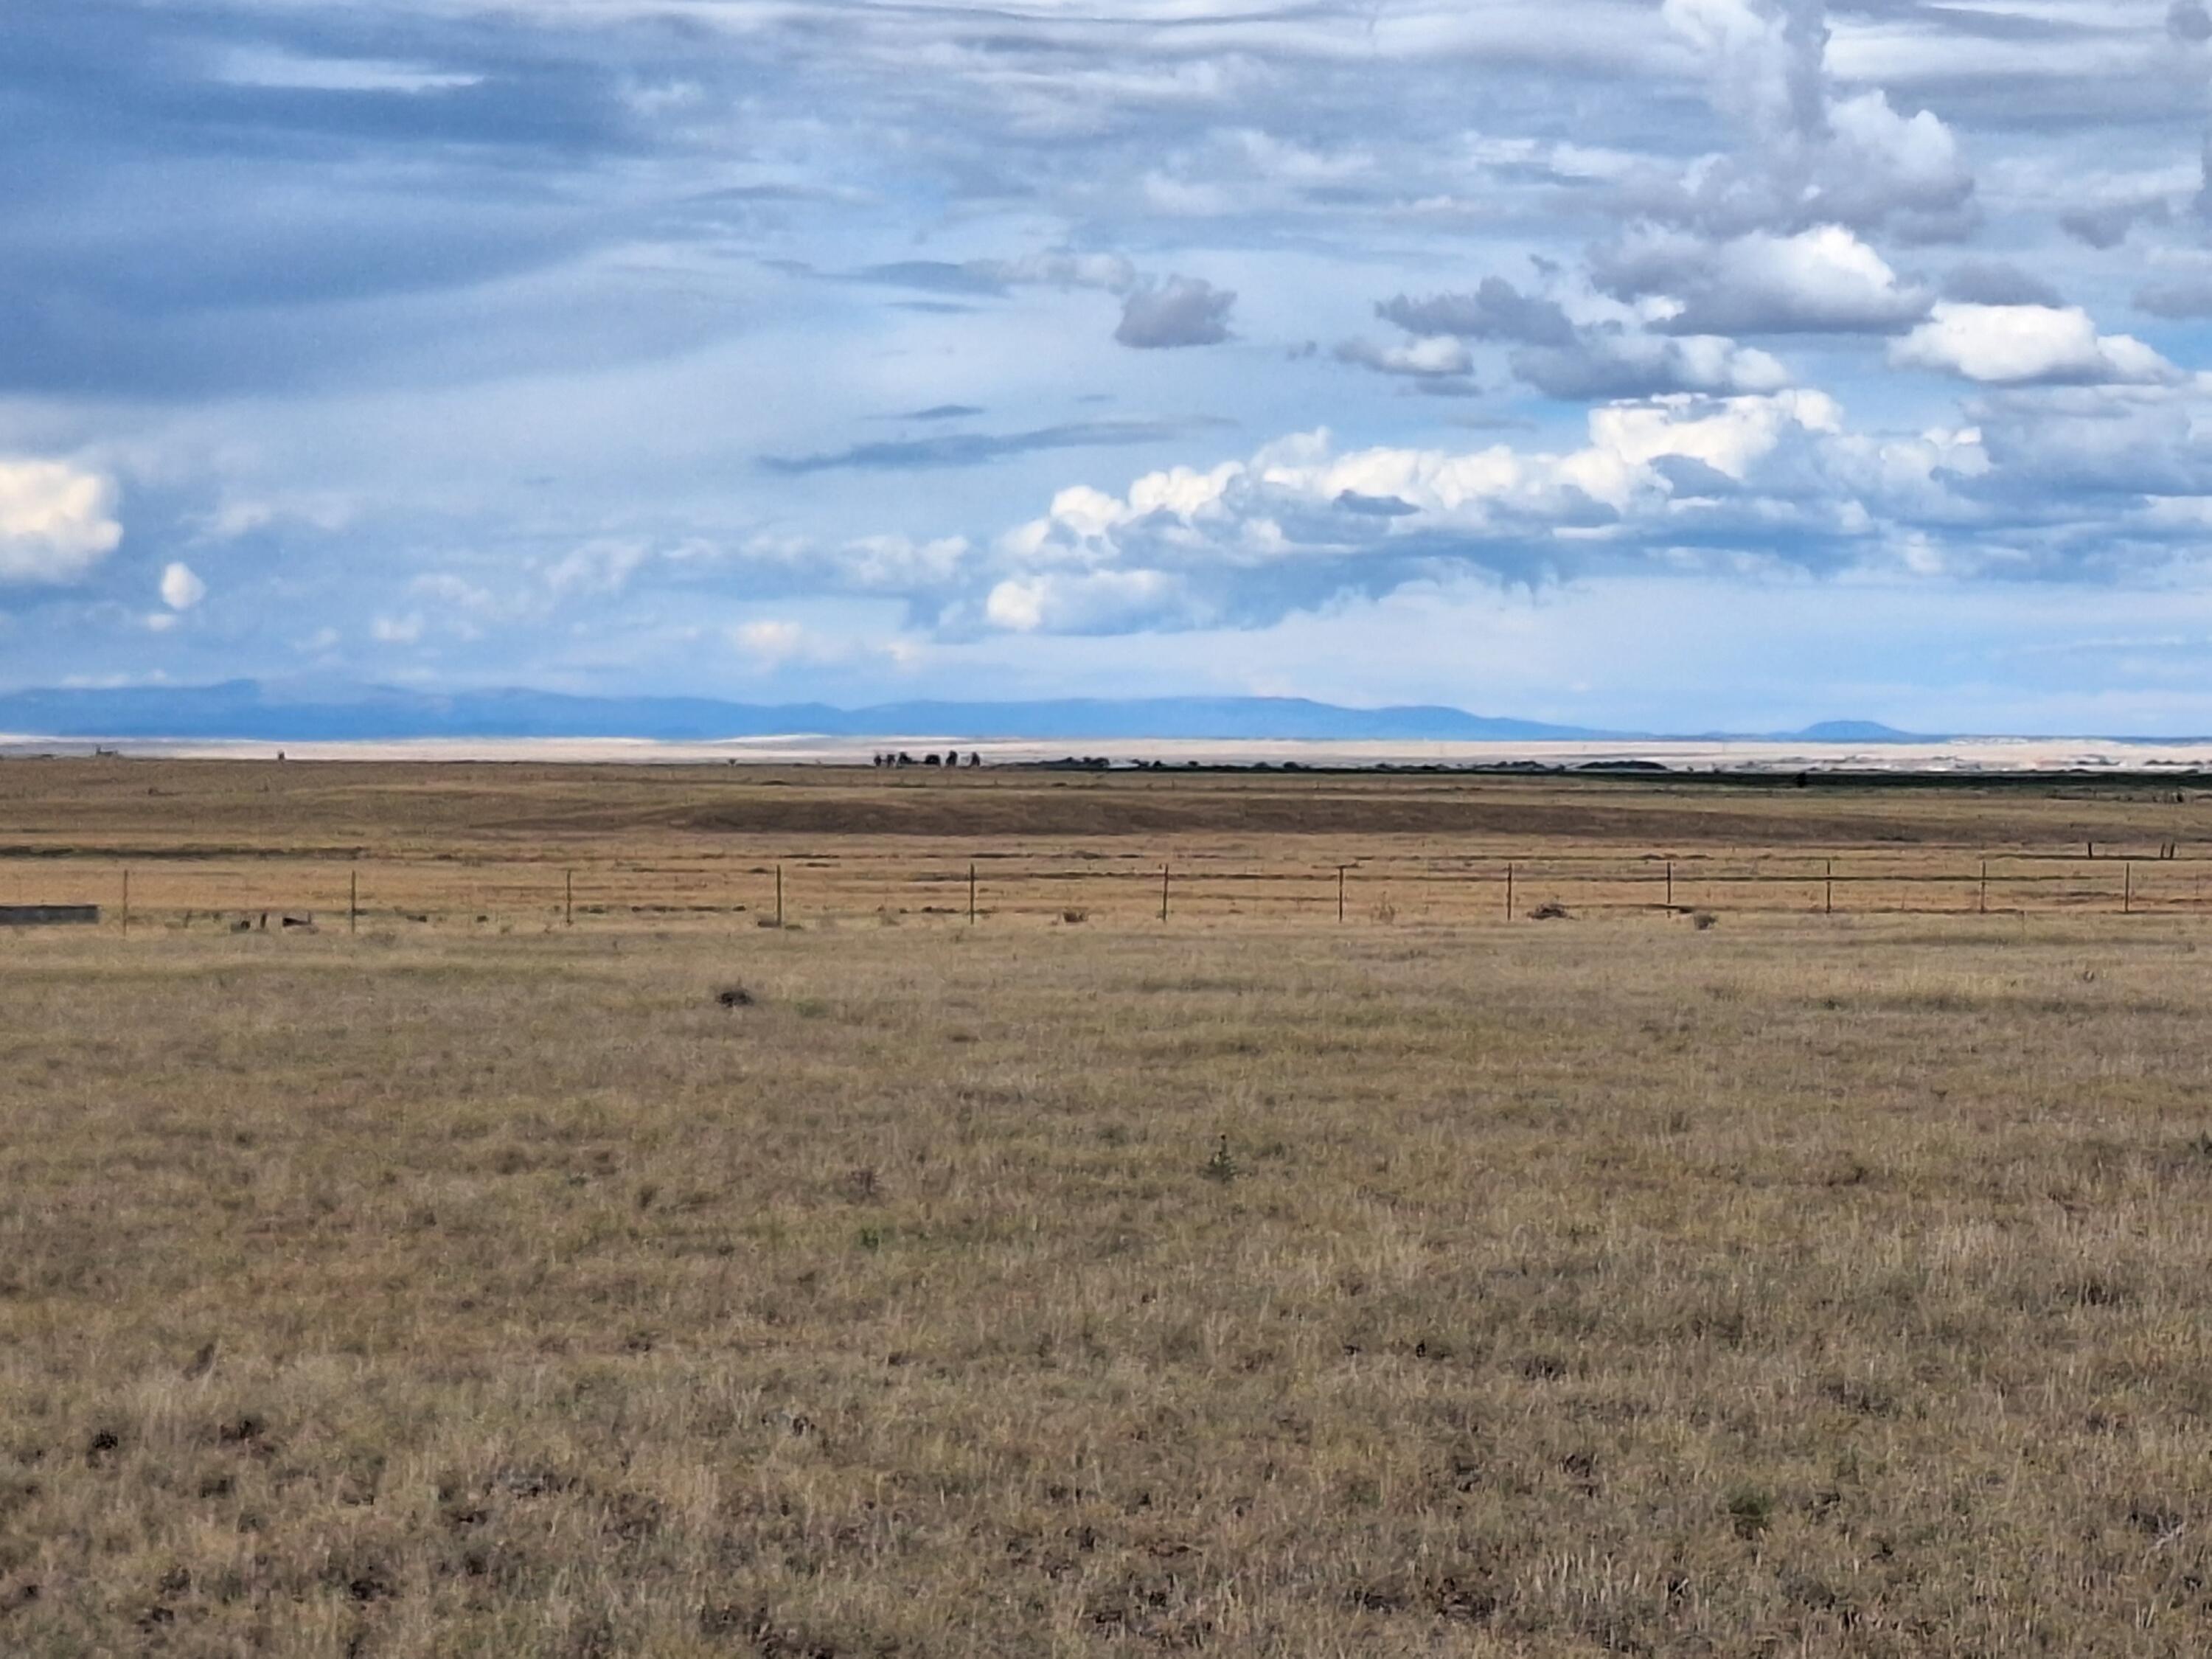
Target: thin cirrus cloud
<point>964,449</point>
<point>602,336</point>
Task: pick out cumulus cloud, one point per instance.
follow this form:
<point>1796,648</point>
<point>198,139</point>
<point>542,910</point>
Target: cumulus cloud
<point>1809,155</point>
<point>2016,345</point>
<point>1820,280</point>
<point>1434,356</point>
<point>1182,311</point>
<point>1085,602</point>
<point>56,521</point>
<point>1566,360</point>
<point>1246,541</point>
<point>1609,361</point>
<point>182,589</point>
<point>1494,310</point>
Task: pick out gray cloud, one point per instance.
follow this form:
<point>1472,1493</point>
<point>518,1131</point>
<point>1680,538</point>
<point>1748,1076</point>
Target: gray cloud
<point>1182,311</point>
<point>939,412</point>
<point>1608,362</point>
<point>2177,297</point>
<point>978,448</point>
<point>2187,20</point>
<point>1823,281</point>
<point>1495,310</point>
<point>1996,282</point>
<point>2107,224</point>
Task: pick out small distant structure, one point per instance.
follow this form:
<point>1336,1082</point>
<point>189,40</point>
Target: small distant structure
<point>974,758</point>
<point>49,916</point>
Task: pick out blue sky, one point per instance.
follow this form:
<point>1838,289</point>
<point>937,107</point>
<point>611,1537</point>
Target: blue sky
<point>1632,362</point>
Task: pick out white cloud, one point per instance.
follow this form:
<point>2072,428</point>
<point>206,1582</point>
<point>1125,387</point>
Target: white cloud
<point>2014,345</point>
<point>182,589</point>
<point>396,630</point>
<point>1299,520</point>
<point>260,66</point>
<point>1820,280</point>
<point>602,567</point>
<point>57,522</point>
<point>1809,155</point>
<point>1433,356</point>
<point>770,642</point>
<point>1069,602</point>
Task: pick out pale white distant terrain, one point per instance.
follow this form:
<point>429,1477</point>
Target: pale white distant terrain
<point>1964,754</point>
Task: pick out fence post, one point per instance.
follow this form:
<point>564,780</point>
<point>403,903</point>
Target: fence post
<point>779,895</point>
<point>1509,892</point>
<point>567,898</point>
<point>2128,889</point>
<point>352,901</point>
<point>1670,884</point>
<point>971,895</point>
<point>1163,892</point>
<point>127,902</point>
<point>1340,869</point>
<point>1828,890</point>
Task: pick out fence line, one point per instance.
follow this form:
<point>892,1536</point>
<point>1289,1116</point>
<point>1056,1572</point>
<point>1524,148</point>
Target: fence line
<point>478,891</point>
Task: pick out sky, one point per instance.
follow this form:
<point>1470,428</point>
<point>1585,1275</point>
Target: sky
<point>1657,364</point>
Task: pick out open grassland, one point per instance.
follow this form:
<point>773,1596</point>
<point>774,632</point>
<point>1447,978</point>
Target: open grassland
<point>1798,1284</point>
<point>486,847</point>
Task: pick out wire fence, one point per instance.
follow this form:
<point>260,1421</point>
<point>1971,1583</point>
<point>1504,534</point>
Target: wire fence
<point>405,891</point>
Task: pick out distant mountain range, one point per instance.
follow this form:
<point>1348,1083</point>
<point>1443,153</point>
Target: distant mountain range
<point>274,713</point>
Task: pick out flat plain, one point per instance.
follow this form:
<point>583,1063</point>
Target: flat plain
<point>561,1261</point>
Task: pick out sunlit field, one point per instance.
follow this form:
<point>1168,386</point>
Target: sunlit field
<point>1715,1279</point>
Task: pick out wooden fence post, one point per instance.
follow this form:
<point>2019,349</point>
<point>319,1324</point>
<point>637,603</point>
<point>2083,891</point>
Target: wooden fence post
<point>1163,892</point>
<point>2128,889</point>
<point>126,902</point>
<point>1509,892</point>
<point>352,901</point>
<point>567,898</point>
<point>1340,869</point>
<point>779,895</point>
<point>971,895</point>
<point>1670,884</point>
<point>1828,890</point>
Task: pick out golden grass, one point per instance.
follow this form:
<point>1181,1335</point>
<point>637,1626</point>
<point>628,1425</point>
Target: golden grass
<point>519,847</point>
<point>1801,1285</point>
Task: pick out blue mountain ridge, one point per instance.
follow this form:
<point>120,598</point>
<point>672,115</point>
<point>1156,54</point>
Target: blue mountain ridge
<point>251,710</point>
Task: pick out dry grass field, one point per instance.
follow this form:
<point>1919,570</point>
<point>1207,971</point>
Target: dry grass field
<point>668,1285</point>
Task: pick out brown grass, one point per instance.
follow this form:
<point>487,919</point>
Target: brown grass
<point>1804,1285</point>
